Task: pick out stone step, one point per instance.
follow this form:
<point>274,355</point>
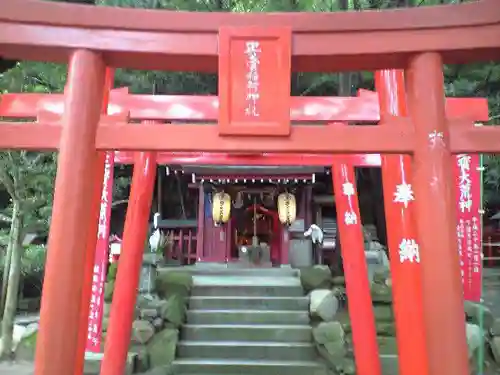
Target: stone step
<point>239,280</point>
<point>247,367</point>
<point>275,351</point>
<point>276,333</point>
<point>247,317</point>
<point>92,364</point>
<point>236,269</point>
<point>247,291</point>
<point>242,303</point>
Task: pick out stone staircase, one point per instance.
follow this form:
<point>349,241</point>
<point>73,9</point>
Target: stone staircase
<point>247,322</point>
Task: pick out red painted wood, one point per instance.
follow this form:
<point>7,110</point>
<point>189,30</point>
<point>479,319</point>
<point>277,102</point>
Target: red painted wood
<point>254,80</point>
<point>200,234</point>
<point>60,315</point>
<point>129,266</point>
<point>188,41</point>
<point>354,41</point>
<point>393,136</point>
<point>364,335</point>
<point>436,219</point>
<point>270,159</point>
<point>92,238</point>
<point>364,108</point>
<point>406,274</point>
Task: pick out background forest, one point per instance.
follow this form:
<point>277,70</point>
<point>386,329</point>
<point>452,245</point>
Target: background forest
<point>26,178</point>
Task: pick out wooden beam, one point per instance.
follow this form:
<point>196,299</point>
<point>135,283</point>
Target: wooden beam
<point>188,41</point>
<point>311,109</point>
<point>395,136</point>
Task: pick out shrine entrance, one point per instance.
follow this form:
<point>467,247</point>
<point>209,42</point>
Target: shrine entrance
<point>415,135</point>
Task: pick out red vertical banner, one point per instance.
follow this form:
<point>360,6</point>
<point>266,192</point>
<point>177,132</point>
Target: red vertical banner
<point>101,258</point>
<point>360,306</point>
<point>254,80</point>
<point>469,231</point>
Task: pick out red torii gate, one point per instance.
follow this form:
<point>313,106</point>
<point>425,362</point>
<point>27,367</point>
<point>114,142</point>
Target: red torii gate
<point>364,108</point>
<point>321,42</point>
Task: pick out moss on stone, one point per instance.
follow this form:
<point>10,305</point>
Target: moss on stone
<point>109,289</point>
<point>112,270</point>
<point>315,278</point>
<point>162,347</point>
<point>169,283</point>
<point>25,350</point>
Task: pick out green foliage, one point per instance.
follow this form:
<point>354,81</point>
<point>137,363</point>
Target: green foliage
<point>33,261</point>
<point>28,177</point>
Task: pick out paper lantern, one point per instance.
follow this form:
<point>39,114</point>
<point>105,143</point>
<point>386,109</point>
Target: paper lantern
<point>221,208</point>
<point>287,208</point>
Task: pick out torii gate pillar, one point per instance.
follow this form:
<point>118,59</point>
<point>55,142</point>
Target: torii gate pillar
<point>57,343</point>
<point>436,222</point>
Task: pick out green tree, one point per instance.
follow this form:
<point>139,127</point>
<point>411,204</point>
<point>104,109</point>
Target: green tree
<point>28,178</point>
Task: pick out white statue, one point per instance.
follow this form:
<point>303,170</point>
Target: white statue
<point>315,233</point>
<point>156,238</point>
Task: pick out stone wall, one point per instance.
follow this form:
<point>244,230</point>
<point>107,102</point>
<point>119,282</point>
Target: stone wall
<point>332,331</point>
<point>326,301</point>
<point>158,318</point>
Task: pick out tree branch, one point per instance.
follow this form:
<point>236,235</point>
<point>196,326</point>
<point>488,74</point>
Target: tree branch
<point>117,203</point>
<point>7,182</point>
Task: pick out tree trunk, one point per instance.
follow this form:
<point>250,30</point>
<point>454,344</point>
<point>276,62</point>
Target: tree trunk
<point>11,301</point>
<point>6,269</point>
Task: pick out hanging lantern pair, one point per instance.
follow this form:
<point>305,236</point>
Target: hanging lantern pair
<point>287,208</point>
<point>221,208</point>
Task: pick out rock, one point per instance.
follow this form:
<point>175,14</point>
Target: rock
<point>174,311</point>
<point>381,293</point>
<point>332,352</point>
<point>385,329</point>
<point>323,304</point>
<point>347,367</point>
<point>142,331</point>
<point>112,270</point>
<point>148,314</point>
<point>328,332</point>
<point>107,309</point>
<point>339,291</point>
<point>25,350</point>
<point>388,282</point>
<point>157,323</point>
<point>149,301</point>
<point>383,313</point>
<point>316,277</point>
<point>495,329</point>
<point>170,283</point>
<point>495,348</point>
<point>387,345</point>
<point>474,338</point>
<point>163,370</point>
<point>109,288</point>
<point>380,275</point>
<point>473,312</point>
<point>105,323</point>
<point>142,358</point>
<point>161,348</point>
<point>20,332</point>
<point>338,281</point>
